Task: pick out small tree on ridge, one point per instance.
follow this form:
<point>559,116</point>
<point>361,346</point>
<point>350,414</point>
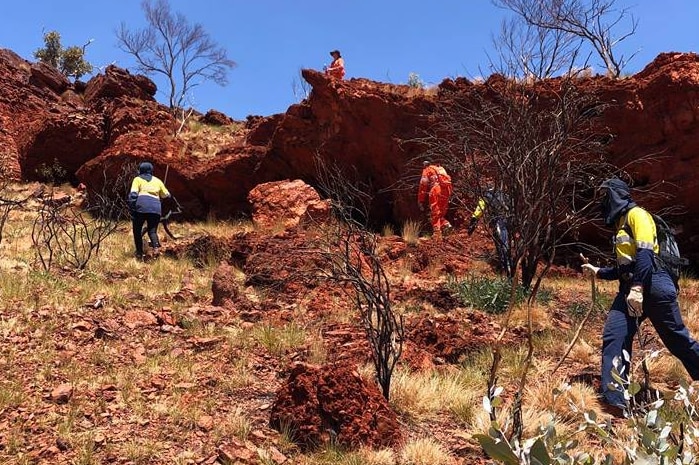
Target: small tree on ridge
<point>181,52</point>
<point>69,61</point>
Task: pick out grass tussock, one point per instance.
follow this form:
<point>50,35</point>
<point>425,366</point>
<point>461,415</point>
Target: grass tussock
<point>425,451</point>
<point>410,232</point>
<point>200,374</point>
<point>420,395</point>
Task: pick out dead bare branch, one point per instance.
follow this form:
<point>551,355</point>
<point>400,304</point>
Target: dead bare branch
<point>594,22</point>
<point>350,253</point>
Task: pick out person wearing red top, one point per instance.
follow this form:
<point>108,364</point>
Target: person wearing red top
<point>435,184</point>
<point>337,67</point>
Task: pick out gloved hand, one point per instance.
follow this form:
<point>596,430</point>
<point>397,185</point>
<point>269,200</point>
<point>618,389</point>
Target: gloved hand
<point>590,269</point>
<point>635,301</point>
<point>472,226</point>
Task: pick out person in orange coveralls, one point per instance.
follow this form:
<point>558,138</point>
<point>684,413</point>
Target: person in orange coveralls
<point>436,183</point>
<point>337,67</point>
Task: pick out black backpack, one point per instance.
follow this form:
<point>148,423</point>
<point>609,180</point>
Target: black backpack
<point>668,253</point>
<point>668,256</point>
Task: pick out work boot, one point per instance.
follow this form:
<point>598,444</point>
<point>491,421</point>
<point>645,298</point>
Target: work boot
<point>447,228</point>
<point>615,411</point>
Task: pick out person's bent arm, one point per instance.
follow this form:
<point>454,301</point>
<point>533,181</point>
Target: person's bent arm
<point>163,193</point>
<point>643,232</point>
<point>608,273</point>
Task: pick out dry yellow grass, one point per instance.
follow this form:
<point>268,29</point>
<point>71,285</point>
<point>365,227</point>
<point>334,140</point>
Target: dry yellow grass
<point>425,451</point>
<point>420,395</point>
<point>539,315</point>
<point>410,232</point>
<point>37,306</point>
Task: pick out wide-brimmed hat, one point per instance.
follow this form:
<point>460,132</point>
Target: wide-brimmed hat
<point>335,52</point>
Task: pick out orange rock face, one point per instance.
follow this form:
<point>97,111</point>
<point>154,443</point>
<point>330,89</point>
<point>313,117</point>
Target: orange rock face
<point>286,204</point>
<point>333,403</point>
<point>365,129</point>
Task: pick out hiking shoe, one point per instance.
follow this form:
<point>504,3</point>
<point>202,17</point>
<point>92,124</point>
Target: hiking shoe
<point>614,411</point>
<point>138,256</point>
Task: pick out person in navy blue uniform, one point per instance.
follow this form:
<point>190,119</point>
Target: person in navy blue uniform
<point>646,290</point>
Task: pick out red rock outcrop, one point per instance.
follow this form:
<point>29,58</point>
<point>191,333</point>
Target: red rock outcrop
<point>365,129</point>
<point>333,403</point>
<point>224,286</point>
<point>286,204</point>
<point>655,122</point>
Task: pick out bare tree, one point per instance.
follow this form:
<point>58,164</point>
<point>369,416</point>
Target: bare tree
<point>8,203</point>
<point>540,147</point>
<point>592,21</point>
<point>540,144</point>
<point>68,235</point>
<point>350,252</point>
<point>181,52</point>
<point>532,52</point>
<point>300,87</point>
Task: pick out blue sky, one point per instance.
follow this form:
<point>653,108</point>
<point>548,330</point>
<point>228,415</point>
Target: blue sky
<point>271,40</point>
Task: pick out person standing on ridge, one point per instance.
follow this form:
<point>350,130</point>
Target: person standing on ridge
<point>435,184</point>
<point>144,203</point>
<point>646,290</point>
<point>337,67</point>
<point>496,202</point>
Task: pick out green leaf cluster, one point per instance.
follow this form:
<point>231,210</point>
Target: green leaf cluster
<point>69,61</point>
<point>489,294</point>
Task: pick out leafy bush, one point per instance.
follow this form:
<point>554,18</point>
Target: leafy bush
<point>69,61</point>
<point>489,294</point>
<point>578,309</point>
<point>665,429</point>
<point>415,82</point>
<point>54,173</point>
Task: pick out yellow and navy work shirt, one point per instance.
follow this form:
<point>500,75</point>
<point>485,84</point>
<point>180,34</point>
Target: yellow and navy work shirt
<point>635,244</point>
<point>480,209</point>
<point>149,194</point>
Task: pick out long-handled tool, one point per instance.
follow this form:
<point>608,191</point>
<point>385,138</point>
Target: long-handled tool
<point>593,287</point>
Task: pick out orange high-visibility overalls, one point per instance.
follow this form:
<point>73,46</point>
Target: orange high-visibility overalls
<point>437,183</point>
<point>336,69</point>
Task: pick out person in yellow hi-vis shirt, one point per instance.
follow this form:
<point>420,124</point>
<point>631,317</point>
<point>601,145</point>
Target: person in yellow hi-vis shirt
<point>144,203</point>
<point>646,290</point>
<point>496,202</point>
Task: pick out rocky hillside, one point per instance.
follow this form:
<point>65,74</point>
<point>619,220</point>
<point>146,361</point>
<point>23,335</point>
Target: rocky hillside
<point>86,132</point>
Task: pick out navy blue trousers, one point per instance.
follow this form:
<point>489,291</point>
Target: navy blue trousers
<point>151,220</point>
<point>498,228</point>
<point>661,308</point>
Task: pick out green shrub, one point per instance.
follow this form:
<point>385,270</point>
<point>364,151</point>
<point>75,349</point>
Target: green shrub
<point>69,61</point>
<point>415,82</point>
<point>663,430</point>
<point>489,294</point>
<point>51,173</point>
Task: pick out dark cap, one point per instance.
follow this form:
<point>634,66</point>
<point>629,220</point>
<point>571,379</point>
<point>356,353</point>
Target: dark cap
<point>145,168</point>
<point>616,184</point>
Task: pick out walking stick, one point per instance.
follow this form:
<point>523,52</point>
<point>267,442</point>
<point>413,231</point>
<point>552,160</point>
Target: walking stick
<point>593,288</point>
